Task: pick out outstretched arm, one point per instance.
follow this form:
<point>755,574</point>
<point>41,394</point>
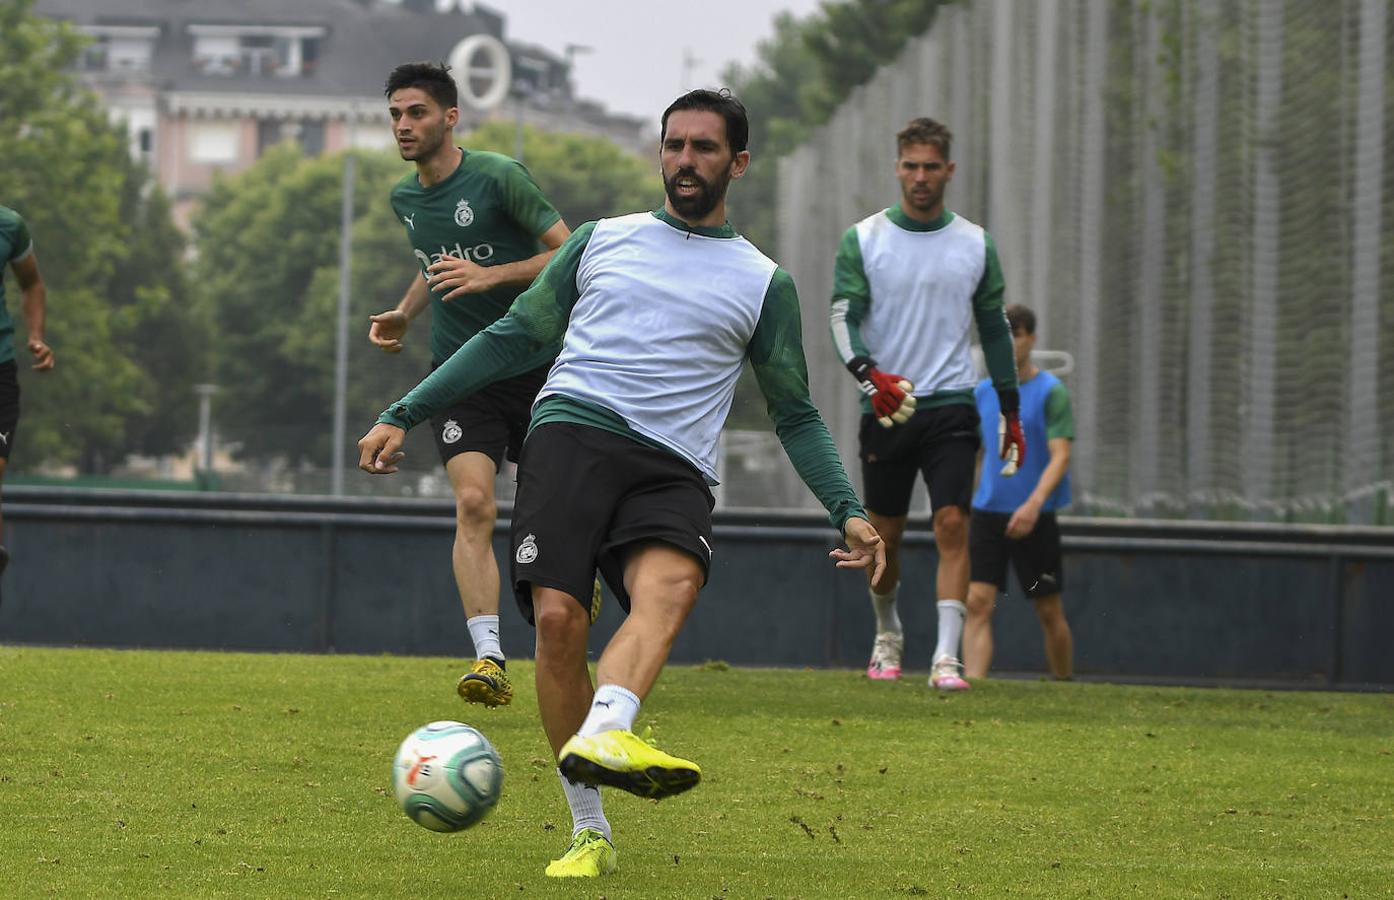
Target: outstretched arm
<point>776,355</point>
<point>526,338</point>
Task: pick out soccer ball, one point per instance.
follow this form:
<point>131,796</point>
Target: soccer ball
<point>447,776</point>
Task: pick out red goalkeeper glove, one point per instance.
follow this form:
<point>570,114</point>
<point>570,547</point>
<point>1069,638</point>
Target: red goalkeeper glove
<point>1013,451</point>
<point>891,399</point>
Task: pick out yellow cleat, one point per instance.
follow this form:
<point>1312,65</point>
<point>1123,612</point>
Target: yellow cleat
<point>595,601</point>
<point>623,760</point>
<point>486,683</point>
<point>589,856</point>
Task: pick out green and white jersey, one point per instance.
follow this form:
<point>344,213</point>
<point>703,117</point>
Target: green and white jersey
<point>656,319</point>
<point>15,245</point>
<point>905,293</point>
<point>489,211</point>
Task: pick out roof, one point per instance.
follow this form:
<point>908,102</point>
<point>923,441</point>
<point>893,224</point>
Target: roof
<point>362,42</point>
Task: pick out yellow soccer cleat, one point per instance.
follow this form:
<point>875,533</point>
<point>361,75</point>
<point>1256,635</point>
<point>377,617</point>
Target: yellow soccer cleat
<point>623,760</point>
<point>486,683</point>
<point>595,601</point>
<point>589,856</point>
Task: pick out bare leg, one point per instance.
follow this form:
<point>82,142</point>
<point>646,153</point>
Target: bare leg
<point>977,630</point>
<point>476,571</point>
<point>564,689</point>
<point>892,531</point>
<point>951,537</point>
<point>662,582</point>
<point>1059,642</point>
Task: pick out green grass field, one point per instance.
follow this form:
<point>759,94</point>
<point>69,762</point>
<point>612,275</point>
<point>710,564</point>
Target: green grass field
<point>139,774</point>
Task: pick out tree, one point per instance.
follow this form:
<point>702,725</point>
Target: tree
<point>267,275</point>
<point>801,75</point>
<point>586,178</point>
<point>102,245</point>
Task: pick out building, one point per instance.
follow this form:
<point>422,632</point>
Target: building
<point>206,86</point>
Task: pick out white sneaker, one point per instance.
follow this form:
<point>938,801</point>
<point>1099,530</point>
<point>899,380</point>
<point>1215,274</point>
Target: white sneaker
<point>885,657</point>
<point>946,675</point>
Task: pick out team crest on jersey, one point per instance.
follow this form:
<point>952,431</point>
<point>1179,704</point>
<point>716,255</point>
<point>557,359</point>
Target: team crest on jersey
<point>464,216</point>
<point>451,432</point>
<point>527,550</point>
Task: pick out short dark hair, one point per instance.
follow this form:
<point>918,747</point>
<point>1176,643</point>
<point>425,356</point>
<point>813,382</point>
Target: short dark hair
<point>925,131</point>
<point>433,78</point>
<point>1019,316</point>
<point>724,104</point>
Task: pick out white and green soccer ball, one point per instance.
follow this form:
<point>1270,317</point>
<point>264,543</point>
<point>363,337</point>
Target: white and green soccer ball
<point>447,776</point>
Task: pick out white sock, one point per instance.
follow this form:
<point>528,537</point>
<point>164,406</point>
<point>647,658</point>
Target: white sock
<point>951,615</point>
<point>887,619</point>
<point>613,708</point>
<point>484,630</point>
<point>586,812</point>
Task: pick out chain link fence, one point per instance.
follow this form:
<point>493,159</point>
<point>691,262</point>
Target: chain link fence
<point>1192,196</point>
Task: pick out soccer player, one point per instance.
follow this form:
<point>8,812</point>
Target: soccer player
<point>474,220</point>
<point>1014,518</point>
<point>909,281</point>
<point>17,252</point>
<point>658,311</point>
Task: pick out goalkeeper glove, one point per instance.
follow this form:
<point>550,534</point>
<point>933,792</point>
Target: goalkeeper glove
<point>1009,431</point>
<point>890,395</point>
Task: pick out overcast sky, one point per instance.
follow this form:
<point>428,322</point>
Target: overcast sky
<point>635,64</point>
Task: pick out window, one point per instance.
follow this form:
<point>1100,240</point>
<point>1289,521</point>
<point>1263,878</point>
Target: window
<point>216,54</point>
<point>94,55</point>
<point>312,137</point>
<point>214,142</point>
<point>269,134</point>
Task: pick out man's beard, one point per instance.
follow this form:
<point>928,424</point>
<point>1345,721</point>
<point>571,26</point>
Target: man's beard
<point>426,147</point>
<point>700,204</point>
<point>932,199</point>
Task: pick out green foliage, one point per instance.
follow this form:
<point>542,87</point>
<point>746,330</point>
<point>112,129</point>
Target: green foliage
<point>801,75</point>
<point>267,276</point>
<point>585,178</point>
<point>162,774</point>
<point>268,279</point>
<point>125,344</point>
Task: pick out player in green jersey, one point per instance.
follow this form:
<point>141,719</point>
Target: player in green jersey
<point>17,253</point>
<point>480,230</point>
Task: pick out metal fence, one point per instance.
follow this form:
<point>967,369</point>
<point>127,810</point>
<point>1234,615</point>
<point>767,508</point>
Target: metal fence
<point>1192,196</point>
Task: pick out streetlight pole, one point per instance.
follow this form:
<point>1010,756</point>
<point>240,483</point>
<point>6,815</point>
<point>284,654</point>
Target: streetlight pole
<point>336,477</point>
<point>205,394</point>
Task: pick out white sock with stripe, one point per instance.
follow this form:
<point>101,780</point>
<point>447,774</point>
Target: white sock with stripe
<point>484,631</point>
<point>586,811</point>
<point>887,619</point>
<point>613,708</point>
<point>951,616</point>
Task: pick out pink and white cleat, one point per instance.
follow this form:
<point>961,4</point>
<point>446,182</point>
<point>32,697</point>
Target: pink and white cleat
<point>946,675</point>
<point>885,657</point>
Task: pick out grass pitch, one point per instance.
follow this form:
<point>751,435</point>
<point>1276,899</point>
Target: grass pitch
<point>140,774</point>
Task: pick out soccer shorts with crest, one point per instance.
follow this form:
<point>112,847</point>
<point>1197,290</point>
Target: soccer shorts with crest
<point>493,421</point>
<point>939,443</point>
<point>586,496</point>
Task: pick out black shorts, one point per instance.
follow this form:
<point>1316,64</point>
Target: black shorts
<point>492,421</point>
<point>940,443</point>
<point>9,406</point>
<point>1036,557</point>
<point>584,495</point>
